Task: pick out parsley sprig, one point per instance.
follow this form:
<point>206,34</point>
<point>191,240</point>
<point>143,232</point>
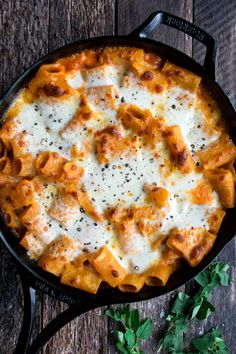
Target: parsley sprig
<point>133,330</point>
<point>211,342</point>
<point>185,307</point>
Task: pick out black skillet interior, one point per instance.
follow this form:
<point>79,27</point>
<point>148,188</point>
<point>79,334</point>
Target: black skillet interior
<point>50,284</point>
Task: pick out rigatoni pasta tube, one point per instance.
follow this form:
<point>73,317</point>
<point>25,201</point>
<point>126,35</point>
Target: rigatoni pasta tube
<point>5,165</point>
<point>183,77</point>
<point>58,253</point>
<point>82,275</point>
<point>178,149</point>
<point>132,283</point>
<point>5,179</point>
<point>159,273</point>
<point>108,267</point>
<point>223,183</point>
<point>49,164</point>
<point>23,166</point>
<point>24,194</point>
<point>192,244</point>
<point>217,153</point>
<point>33,244</point>
<point>71,172</point>
<point>215,220</point>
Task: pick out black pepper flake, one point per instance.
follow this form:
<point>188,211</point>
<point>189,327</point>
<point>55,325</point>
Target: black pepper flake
<point>95,224</point>
<point>60,148</point>
<point>151,160</point>
<point>78,229</point>
<point>82,210</point>
<point>107,165</point>
<point>173,106</point>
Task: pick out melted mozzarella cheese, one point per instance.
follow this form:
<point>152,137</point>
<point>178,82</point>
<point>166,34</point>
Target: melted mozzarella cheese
<point>121,181</point>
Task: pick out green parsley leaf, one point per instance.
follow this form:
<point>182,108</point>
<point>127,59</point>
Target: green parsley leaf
<point>130,338</point>
<point>211,342</point>
<point>205,310</point>
<point>132,331</point>
<point>186,307</point>
<point>121,337</point>
<point>134,319</point>
<point>145,330</point>
<point>181,303</point>
<point>121,348</point>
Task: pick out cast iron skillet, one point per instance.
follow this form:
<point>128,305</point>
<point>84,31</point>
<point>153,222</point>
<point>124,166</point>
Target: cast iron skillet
<point>35,278</point>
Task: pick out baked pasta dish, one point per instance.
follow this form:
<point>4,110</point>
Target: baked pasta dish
<point>115,166</point>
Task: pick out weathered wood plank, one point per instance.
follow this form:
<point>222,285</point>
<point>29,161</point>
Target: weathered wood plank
<point>132,13</point>
<point>24,36</point>
<point>70,21</point>
<point>23,28</point>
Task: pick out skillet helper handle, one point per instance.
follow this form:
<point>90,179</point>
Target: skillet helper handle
<point>28,316</point>
<point>161,17</point>
<point>56,324</point>
<point>25,345</point>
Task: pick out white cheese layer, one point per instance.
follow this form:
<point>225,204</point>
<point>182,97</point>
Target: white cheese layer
<point>121,181</point>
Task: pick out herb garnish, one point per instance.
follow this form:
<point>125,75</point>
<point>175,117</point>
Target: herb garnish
<point>184,309</point>
<point>133,330</point>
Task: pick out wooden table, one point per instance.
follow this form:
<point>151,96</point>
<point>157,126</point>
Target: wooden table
<point>28,30</point>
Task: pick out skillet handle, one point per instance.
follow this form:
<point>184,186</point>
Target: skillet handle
<point>25,345</point>
<point>28,316</point>
<point>161,17</point>
<point>56,324</point>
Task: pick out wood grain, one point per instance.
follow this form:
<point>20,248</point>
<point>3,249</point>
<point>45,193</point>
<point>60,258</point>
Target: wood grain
<point>28,30</point>
<point>130,14</point>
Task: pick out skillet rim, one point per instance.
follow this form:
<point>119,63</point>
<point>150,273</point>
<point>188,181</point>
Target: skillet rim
<point>106,296</point>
